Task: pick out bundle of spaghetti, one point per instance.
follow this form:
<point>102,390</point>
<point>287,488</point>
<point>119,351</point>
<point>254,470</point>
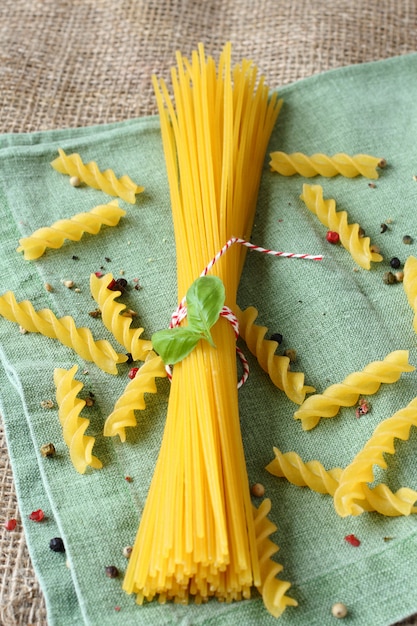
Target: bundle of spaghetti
<point>337,221</point>
<point>277,366</point>
<point>323,165</point>
<point>73,425</point>
<point>63,329</point>
<point>197,535</point>
<point>346,393</point>
<point>313,474</point>
<point>410,285</point>
<point>73,228</point>
<point>113,319</point>
<point>360,470</point>
<point>132,399</point>
<point>91,175</point>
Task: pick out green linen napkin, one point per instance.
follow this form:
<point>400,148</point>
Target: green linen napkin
<point>336,316</point>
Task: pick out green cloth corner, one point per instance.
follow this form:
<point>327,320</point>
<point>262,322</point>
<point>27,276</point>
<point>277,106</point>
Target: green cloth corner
<point>336,317</point>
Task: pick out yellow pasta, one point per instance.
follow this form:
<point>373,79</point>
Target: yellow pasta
<point>292,383</point>
<point>63,329</point>
<point>73,425</point>
<point>199,535</point>
<point>410,285</point>
<point>132,399</point>
<point>337,221</point>
<point>346,393</point>
<point>73,228</point>
<point>275,600</point>
<point>313,475</point>
<point>91,175</point>
<point>350,492</point>
<point>323,165</point>
<point>113,319</point>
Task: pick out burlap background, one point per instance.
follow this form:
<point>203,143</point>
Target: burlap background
<point>82,62</point>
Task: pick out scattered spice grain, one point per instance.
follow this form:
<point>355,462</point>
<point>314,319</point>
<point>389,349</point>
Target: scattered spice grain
<point>339,610</point>
<point>37,516</point>
<point>10,524</point>
<point>354,541</point>
<point>389,278</point>
<point>75,181</point>
<point>47,404</point>
<point>48,450</point>
<point>127,552</point>
<point>111,571</point>
<point>258,490</point>
<point>332,237</point>
<point>57,545</point>
<point>407,239</point>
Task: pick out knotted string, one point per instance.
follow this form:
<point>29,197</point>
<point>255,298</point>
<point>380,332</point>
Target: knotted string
<point>181,311</point>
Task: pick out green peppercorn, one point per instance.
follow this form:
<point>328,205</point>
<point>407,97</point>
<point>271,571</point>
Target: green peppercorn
<point>407,240</point>
<point>48,450</point>
<point>389,278</point>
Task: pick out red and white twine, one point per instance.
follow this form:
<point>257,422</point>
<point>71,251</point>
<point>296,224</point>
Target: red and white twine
<point>181,311</point>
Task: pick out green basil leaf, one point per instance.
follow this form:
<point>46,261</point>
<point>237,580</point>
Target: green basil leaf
<point>205,299</point>
<point>174,344</point>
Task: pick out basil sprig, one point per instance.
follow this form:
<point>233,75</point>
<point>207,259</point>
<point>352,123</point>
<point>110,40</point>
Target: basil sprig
<point>205,299</point>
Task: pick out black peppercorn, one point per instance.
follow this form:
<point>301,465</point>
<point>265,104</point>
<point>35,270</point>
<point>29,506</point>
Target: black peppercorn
<point>57,545</point>
<point>395,262</point>
<point>276,337</point>
<point>112,571</point>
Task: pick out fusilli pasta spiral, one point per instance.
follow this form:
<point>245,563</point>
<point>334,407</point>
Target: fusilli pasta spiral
<point>360,471</point>
<point>323,165</point>
<point>73,425</point>
<point>292,383</point>
<point>132,399</point>
<point>410,285</point>
<point>272,589</point>
<point>346,393</point>
<point>64,330</point>
<point>91,175</point>
<point>313,475</point>
<point>111,314</point>
<point>337,221</point>
<point>73,228</point>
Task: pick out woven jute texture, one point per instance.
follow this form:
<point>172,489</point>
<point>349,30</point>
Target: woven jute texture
<point>69,63</point>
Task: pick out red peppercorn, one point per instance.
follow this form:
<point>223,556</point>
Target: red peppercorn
<point>332,236</point>
<point>132,373</point>
<point>112,285</point>
<point>10,524</point>
<point>37,516</point>
<point>354,541</point>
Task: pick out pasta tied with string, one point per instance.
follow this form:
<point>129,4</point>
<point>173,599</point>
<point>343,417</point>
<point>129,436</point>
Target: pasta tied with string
<point>337,221</point>
<point>346,393</point>
<point>73,425</point>
<point>199,535</point>
<point>91,175</point>
<point>73,229</point>
<point>323,165</point>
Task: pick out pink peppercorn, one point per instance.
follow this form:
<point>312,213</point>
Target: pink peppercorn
<point>10,524</point>
<point>37,516</point>
<point>354,541</point>
<point>332,236</point>
<point>132,373</point>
